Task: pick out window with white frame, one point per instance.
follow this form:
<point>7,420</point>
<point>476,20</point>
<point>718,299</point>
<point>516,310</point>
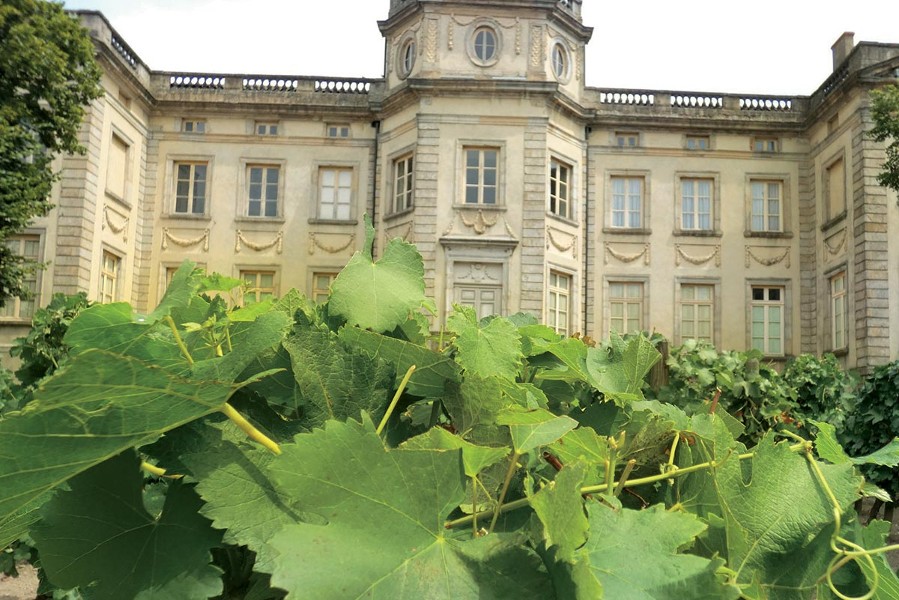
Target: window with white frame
<point>767,315</point>
<point>698,142</point>
<point>110,276</point>
<point>558,302</point>
<point>697,199</point>
<point>627,139</point>
<point>627,202</point>
<point>267,128</point>
<point>335,193</point>
<point>838,310</point>
<point>481,176</point>
<point>403,177</point>
<point>263,185</point>
<point>338,130</point>
<point>190,188</point>
<point>767,206</point>
<point>321,285</point>
<point>28,247</point>
<point>560,189</point>
<point>193,126</point>
<point>484,45</point>
<point>407,57</point>
<point>560,62</point>
<point>260,286</point>
<point>764,144</point>
<point>626,306</point>
<point>697,311</point>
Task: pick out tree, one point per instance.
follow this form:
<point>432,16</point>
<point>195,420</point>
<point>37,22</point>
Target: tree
<point>885,110</point>
<point>47,76</point>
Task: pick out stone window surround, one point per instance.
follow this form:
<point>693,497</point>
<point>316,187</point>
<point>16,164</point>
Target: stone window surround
<point>129,145</point>
<point>390,182</point>
<point>558,43</point>
<point>315,191</point>
<point>196,126</point>
<point>787,303</point>
<point>786,205</point>
<point>462,145</point>
<point>573,171</point>
<point>573,294</point>
<point>645,201</point>
<point>171,183</point>
<point>243,188</point>
<point>41,234</point>
<point>407,42</point>
<point>607,306</point>
<point>715,282</point>
<point>828,276</point>
<point>473,28</point>
<point>243,268</point>
<point>464,251</point>
<point>828,220</point>
<point>689,137</point>
<point>715,177</point>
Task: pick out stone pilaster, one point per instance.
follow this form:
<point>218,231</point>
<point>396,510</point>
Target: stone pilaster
<point>808,260</point>
<point>427,163</point>
<point>533,243</point>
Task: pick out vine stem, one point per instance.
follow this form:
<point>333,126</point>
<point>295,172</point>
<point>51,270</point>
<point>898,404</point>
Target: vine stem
<point>474,506</point>
<point>396,398</point>
<point>157,471</point>
<point>513,464</point>
<point>178,340</point>
<point>248,428</point>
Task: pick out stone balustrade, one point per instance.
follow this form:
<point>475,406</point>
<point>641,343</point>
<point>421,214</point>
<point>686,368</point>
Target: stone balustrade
<point>647,100</point>
<point>263,83</point>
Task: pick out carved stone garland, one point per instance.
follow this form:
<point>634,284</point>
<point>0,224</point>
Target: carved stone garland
<point>835,249</point>
<point>315,243</point>
<point>681,256</point>
<point>185,242</point>
<point>276,243</point>
<point>767,261</point>
<point>552,241</point>
<point>480,224</point>
<point>626,258</point>
<point>123,228</point>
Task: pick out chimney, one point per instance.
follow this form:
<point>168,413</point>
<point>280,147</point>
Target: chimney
<point>842,47</point>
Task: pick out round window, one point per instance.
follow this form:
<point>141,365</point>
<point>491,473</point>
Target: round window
<point>407,58</point>
<point>560,62</point>
<point>485,44</point>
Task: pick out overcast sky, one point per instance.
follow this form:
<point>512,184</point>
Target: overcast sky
<point>755,46</point>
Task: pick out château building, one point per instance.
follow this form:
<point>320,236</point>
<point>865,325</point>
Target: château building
<point>749,220</point>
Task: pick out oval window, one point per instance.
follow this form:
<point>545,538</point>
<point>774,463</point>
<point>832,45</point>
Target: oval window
<point>484,44</point>
<point>407,58</point>
<point>560,62</point>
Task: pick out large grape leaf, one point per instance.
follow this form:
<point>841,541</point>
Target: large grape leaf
<point>99,536</point>
<point>776,513</point>
<point>474,458</point>
<point>379,295</point>
<point>249,339</point>
<point>830,450</point>
<point>336,382</point>
<point>97,406</point>
<point>560,508</point>
<point>493,349</point>
<point>432,369</point>
<point>477,401</point>
<point>622,380</point>
<point>534,428</point>
<point>385,535</point>
<point>635,555</point>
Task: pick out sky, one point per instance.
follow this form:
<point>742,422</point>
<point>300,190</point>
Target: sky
<point>753,46</point>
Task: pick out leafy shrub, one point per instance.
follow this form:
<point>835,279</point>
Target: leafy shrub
<point>820,389</point>
<point>873,422</point>
<point>750,390</point>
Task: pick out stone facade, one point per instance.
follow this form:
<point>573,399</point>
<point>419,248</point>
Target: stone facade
<point>750,220</point>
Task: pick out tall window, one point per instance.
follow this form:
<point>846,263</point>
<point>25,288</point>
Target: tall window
<point>697,308</point>
<point>481,176</point>
<point>838,313</point>
<point>696,204</point>
<point>767,310</point>
<point>767,206</point>
<point>29,247</point>
<point>260,286</point>
<point>190,188</point>
<point>559,61</point>
<point>335,193</point>
<point>627,202</point>
<point>402,183</point>
<point>407,57</point>
<point>560,189</point>
<point>484,299</point>
<point>321,286</point>
<point>558,304</point>
<point>110,270</point>
<point>262,194</point>
<point>626,307</point>
<point>835,189</point>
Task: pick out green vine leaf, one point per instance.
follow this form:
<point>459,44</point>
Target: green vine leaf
<point>96,407</point>
<point>487,350</point>
<point>560,508</point>
<point>384,535</point>
<point>379,295</point>
<point>98,536</point>
<point>830,449</point>
<point>636,555</point>
<point>622,380</point>
<point>474,458</point>
<point>534,428</point>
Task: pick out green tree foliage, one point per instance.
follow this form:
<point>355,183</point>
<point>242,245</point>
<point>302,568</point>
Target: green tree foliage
<point>493,475</point>
<point>47,76</point>
<point>885,111</point>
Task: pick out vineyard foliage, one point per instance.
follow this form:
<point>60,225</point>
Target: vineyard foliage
<point>341,451</point>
